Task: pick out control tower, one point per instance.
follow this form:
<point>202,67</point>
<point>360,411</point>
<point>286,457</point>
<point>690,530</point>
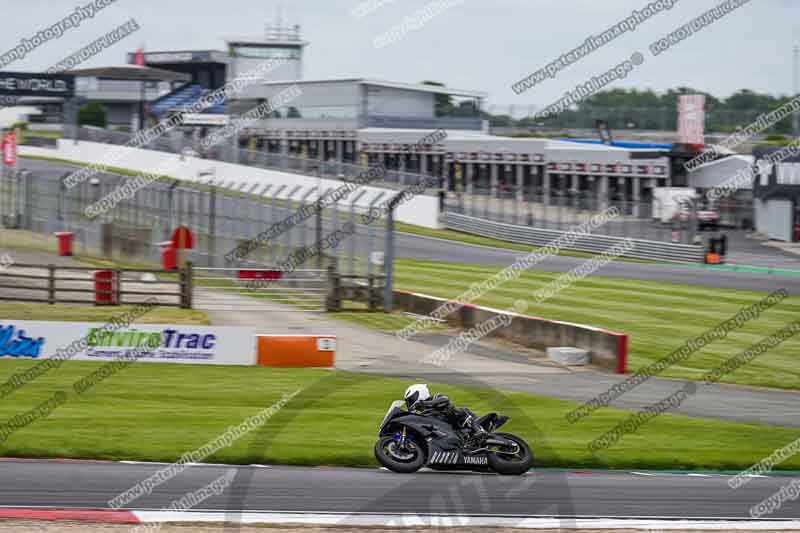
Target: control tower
<point>279,42</point>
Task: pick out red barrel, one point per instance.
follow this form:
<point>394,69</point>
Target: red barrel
<point>169,255</point>
<point>104,287</point>
<point>64,243</point>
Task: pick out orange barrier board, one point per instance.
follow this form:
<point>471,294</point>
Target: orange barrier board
<point>295,350</point>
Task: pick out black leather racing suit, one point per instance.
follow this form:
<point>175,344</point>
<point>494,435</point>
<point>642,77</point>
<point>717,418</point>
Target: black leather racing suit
<point>460,418</point>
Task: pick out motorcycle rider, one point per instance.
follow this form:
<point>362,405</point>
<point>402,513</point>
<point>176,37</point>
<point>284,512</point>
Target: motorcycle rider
<point>418,400</point>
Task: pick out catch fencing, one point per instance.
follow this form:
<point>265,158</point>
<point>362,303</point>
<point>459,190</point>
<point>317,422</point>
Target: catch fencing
<point>221,218</point>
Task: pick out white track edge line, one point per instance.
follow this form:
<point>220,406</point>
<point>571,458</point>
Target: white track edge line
<point>389,520</point>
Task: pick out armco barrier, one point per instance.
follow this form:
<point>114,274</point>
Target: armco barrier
<point>642,249</point>
<point>608,349</point>
<point>295,350</point>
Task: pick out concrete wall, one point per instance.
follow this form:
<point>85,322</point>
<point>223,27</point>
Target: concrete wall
<point>421,210</point>
<point>608,349</point>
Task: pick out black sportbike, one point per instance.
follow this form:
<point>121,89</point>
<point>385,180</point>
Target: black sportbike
<point>410,441</point>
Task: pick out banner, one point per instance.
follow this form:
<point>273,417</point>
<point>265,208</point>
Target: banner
<point>691,119</point>
<point>37,84</point>
<point>154,343</point>
<point>9,147</point>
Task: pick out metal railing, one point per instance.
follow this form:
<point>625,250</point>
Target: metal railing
<point>642,249</point>
<point>259,289</point>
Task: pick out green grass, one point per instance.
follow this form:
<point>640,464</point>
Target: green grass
<point>156,412</point>
<point>89,313</point>
<point>658,317</point>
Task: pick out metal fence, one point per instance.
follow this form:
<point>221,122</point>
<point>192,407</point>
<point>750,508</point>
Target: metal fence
<point>221,289</point>
<point>220,219</point>
<point>639,220</point>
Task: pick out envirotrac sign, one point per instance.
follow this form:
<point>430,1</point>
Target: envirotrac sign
<point>153,343</point>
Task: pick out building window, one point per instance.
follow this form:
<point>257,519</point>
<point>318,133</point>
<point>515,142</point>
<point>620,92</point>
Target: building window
<point>266,52</point>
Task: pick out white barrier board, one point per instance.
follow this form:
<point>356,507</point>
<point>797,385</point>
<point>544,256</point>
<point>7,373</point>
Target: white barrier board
<point>154,343</point>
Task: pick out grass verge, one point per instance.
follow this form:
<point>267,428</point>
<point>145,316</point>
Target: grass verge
<point>659,317</point>
<point>88,313</point>
<point>157,412</point>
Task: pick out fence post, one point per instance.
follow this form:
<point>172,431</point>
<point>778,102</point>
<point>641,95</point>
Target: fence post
<point>212,226</point>
<point>388,260</point>
<point>371,294</point>
<point>51,285</point>
<point>186,286</point>
<point>333,302</point>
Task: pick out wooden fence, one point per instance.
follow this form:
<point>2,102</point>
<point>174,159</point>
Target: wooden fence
<point>51,284</point>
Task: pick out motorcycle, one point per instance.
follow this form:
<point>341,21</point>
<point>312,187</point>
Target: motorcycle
<point>409,441</point>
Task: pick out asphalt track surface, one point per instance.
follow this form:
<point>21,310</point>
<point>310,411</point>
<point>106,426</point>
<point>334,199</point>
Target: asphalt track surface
<point>425,248</point>
<point>32,483</point>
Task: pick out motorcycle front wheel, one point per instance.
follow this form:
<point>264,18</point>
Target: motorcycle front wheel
<point>401,460</point>
<point>511,460</point>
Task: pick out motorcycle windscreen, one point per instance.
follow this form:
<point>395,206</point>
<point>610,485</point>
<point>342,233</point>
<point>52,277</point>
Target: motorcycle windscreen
<point>397,404</point>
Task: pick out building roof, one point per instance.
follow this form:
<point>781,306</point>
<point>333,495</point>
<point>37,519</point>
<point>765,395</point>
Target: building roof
<point>624,144</point>
<point>745,160</point>
<point>434,89</point>
<point>130,73</point>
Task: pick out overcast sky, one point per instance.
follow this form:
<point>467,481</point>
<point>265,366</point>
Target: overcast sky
<point>483,45</point>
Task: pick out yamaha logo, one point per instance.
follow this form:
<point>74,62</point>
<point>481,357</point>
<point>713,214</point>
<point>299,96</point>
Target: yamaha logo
<point>452,458</point>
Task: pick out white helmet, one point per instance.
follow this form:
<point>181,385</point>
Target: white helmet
<point>416,393</point>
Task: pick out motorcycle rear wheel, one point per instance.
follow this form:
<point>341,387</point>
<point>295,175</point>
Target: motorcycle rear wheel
<point>515,465</point>
<point>383,453</point>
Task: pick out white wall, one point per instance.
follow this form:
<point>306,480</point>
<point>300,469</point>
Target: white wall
<point>421,210</point>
